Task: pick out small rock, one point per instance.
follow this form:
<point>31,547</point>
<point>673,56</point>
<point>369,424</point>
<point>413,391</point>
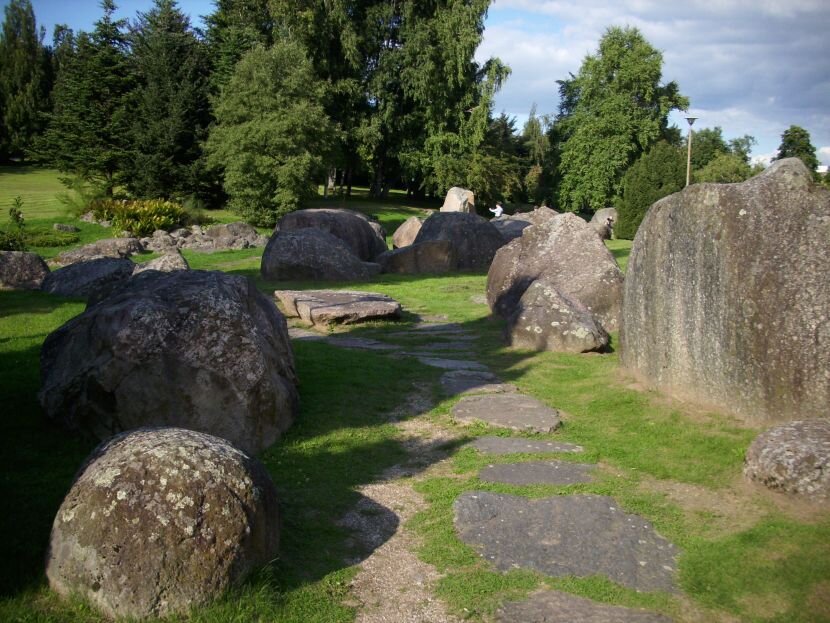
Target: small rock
<point>65,228</point>
<point>514,411</point>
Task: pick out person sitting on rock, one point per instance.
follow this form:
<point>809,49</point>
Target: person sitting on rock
<point>498,210</point>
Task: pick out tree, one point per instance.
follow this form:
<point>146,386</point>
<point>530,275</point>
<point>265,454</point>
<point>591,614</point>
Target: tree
<point>616,109</point>
<point>724,169</point>
<point>234,28</point>
<point>661,171</point>
<point>795,143</point>
<point>272,135</point>
<point>536,138</point>
<point>24,79</point>
<point>707,143</point>
<point>170,107</point>
<point>89,128</point>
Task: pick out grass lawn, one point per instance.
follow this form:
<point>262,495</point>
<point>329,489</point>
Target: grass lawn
<point>746,555</point>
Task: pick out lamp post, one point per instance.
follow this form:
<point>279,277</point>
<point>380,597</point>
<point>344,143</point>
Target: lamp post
<point>691,121</point>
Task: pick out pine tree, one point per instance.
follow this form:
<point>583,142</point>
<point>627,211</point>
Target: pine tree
<point>795,143</point>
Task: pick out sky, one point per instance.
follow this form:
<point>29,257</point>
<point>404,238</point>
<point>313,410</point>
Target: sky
<point>749,66</point>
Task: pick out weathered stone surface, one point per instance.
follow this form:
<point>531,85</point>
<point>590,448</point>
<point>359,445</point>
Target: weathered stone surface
<point>432,256</point>
<point>312,253</point>
<point>459,200</point>
<point>515,411</point>
<point>603,222</point>
<point>202,350</point>
<point>580,535</point>
<point>353,228</point>
<point>237,235</point>
<point>221,237</point>
<point>405,234</point>
<point>570,256</point>
<point>109,247</point>
<point>160,520</point>
<point>516,445</point>
<point>512,227</point>
<point>556,607</point>
<point>793,457</point>
<point>92,278</point>
<point>727,299</point>
<point>66,228</point>
<point>473,382</point>
<point>448,364</point>
<point>473,238</point>
<point>21,270</point>
<point>170,261</point>
<point>546,319</point>
<point>538,473</point>
<point>359,343</point>
<point>325,307</point>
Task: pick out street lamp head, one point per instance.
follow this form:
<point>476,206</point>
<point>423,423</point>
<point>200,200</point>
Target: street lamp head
<point>691,120</point>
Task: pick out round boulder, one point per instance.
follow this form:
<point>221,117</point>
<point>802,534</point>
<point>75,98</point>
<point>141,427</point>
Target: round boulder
<point>459,200</point>
<point>405,234</point>
<point>360,234</point>
<point>198,349</point>
<point>161,520</point>
<point>793,457</point>
<point>473,238</point>
<point>20,270</point>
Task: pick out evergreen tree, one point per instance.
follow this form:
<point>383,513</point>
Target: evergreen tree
<point>24,80</point>
<point>616,109</point>
<point>234,28</point>
<point>659,172</point>
<point>170,108</point>
<point>795,143</point>
<point>272,134</point>
<point>89,129</point>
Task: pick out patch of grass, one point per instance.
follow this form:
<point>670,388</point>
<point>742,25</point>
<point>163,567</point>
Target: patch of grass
<point>620,249</point>
<point>37,187</point>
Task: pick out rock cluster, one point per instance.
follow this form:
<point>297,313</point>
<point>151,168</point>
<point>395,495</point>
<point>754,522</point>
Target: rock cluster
<point>118,248</point>
<point>215,238</point>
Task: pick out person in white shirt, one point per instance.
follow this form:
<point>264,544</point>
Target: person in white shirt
<point>498,210</point>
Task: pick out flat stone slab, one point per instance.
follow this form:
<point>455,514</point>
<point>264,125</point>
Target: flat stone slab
<point>473,382</point>
<point>579,535</point>
<point>538,473</point>
<point>455,345</point>
<point>556,607</point>
<point>448,364</point>
<point>517,445</point>
<point>325,307</point>
<point>360,343</point>
<point>298,333</point>
<point>514,411</point>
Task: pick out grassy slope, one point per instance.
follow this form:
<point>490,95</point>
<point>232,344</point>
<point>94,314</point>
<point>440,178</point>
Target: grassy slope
<point>770,567</point>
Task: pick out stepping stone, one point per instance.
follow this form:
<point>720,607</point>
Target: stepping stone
<point>538,473</point>
<point>454,346</point>
<point>579,535</point>
<point>514,411</point>
<point>325,307</point>
<point>444,327</point>
<point>448,364</point>
<point>556,607</point>
<point>516,445</point>
<point>360,343</point>
<point>298,333</point>
<point>473,382</point>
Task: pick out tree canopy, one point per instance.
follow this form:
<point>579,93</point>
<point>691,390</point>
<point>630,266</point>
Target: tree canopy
<point>795,143</point>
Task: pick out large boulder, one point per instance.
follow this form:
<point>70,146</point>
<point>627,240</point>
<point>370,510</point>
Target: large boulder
<point>109,247</point>
<point>161,520</point>
<point>201,350</point>
<point>513,226</point>
<point>546,319</point>
<point>405,234</point>
<point>432,256</point>
<point>566,251</point>
<point>459,200</point>
<point>473,238</point>
<point>360,234</point>
<point>727,298</point>
<point>603,222</point>
<point>312,253</point>
<point>20,270</point>
<point>90,279</point>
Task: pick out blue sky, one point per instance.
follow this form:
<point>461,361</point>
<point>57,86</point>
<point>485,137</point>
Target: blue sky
<point>750,66</point>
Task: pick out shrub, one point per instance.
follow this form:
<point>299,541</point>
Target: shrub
<point>39,237</point>
<point>13,237</point>
<point>139,217</point>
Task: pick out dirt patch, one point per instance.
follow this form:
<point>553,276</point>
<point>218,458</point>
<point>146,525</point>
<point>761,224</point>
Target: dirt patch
<point>819,599</point>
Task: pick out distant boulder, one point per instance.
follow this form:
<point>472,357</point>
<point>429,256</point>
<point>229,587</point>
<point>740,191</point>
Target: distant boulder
<point>431,256</point>
<point>71,229</point>
<point>727,298</point>
<point>405,234</point>
<point>21,270</point>
<point>512,227</point>
<point>235,236</point>
<point>202,350</point>
<point>312,253</point>
<point>603,222</point>
<point>109,247</point>
<point>361,235</point>
<point>459,200</point>
<point>90,279</point>
<point>473,238</point>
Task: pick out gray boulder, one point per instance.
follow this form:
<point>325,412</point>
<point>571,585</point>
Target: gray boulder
<point>312,253</point>
<point>569,255</point>
<point>727,298</point>
<point>20,270</point>
<point>546,319</point>
<point>603,222</point>
<point>405,234</point>
<point>90,279</point>
<point>71,229</point>
<point>235,236</point>
<point>510,227</point>
<point>170,261</point>
<point>159,521</point>
<point>326,307</point>
<point>201,350</point>
<point>473,238</point>
<point>432,256</point>
<point>794,458</point>
<point>360,234</point>
<point>459,200</point>
<point>109,247</point>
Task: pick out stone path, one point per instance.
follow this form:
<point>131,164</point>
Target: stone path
<point>578,535</point>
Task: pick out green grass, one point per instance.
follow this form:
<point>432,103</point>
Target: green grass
<point>775,566</point>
